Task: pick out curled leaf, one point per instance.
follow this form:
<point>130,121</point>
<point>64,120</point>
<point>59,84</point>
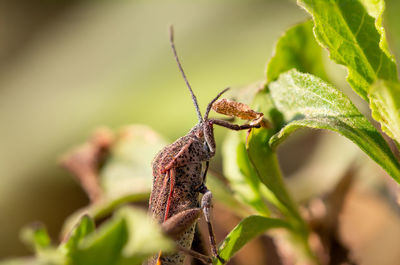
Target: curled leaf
<point>307,101</point>
<point>353,34</point>
<point>385,105</point>
<point>239,110</point>
<point>245,231</point>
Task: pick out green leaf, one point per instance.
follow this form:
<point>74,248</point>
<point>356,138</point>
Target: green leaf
<point>102,209</point>
<point>103,247</point>
<point>266,166</point>
<point>347,29</point>
<point>36,237</point>
<point>298,49</point>
<point>82,229</point>
<point>129,237</point>
<point>238,171</point>
<point>264,160</point>
<point>144,236</point>
<point>246,230</point>
<point>375,9</point>
<point>307,101</point>
<point>385,105</point>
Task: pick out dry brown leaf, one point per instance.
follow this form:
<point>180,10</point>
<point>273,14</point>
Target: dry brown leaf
<point>239,110</point>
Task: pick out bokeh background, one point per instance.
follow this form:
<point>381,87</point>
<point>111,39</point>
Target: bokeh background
<point>67,67</point>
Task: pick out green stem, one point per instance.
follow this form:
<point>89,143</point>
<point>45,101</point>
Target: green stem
<point>300,228</point>
<point>266,165</point>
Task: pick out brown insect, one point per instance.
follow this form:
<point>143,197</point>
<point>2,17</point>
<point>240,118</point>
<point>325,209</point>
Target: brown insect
<point>179,179</point>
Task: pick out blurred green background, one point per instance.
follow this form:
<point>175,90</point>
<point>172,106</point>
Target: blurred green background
<point>68,67</point>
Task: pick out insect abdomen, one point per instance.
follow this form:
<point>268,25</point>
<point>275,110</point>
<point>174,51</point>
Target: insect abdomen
<point>185,196</point>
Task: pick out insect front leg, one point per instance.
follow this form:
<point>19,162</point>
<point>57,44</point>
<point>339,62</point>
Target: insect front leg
<point>234,126</point>
<point>205,172</point>
<point>206,205</point>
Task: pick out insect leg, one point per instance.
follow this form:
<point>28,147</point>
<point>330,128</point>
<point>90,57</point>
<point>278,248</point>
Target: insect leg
<point>172,172</point>
<point>205,171</point>
<point>206,204</point>
<point>178,160</point>
<point>233,126</point>
<point>205,259</point>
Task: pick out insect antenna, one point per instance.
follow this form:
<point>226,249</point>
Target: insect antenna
<point>212,101</point>
<point>196,105</point>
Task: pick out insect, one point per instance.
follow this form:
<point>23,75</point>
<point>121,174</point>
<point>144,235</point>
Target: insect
<point>179,179</point>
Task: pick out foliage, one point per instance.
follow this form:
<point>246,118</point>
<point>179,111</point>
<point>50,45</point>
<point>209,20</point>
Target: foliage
<point>246,230</point>
<point>307,101</point>
<point>352,31</point>
<point>297,94</point>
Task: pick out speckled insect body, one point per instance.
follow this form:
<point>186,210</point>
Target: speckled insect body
<point>177,184</point>
<point>179,180</point>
